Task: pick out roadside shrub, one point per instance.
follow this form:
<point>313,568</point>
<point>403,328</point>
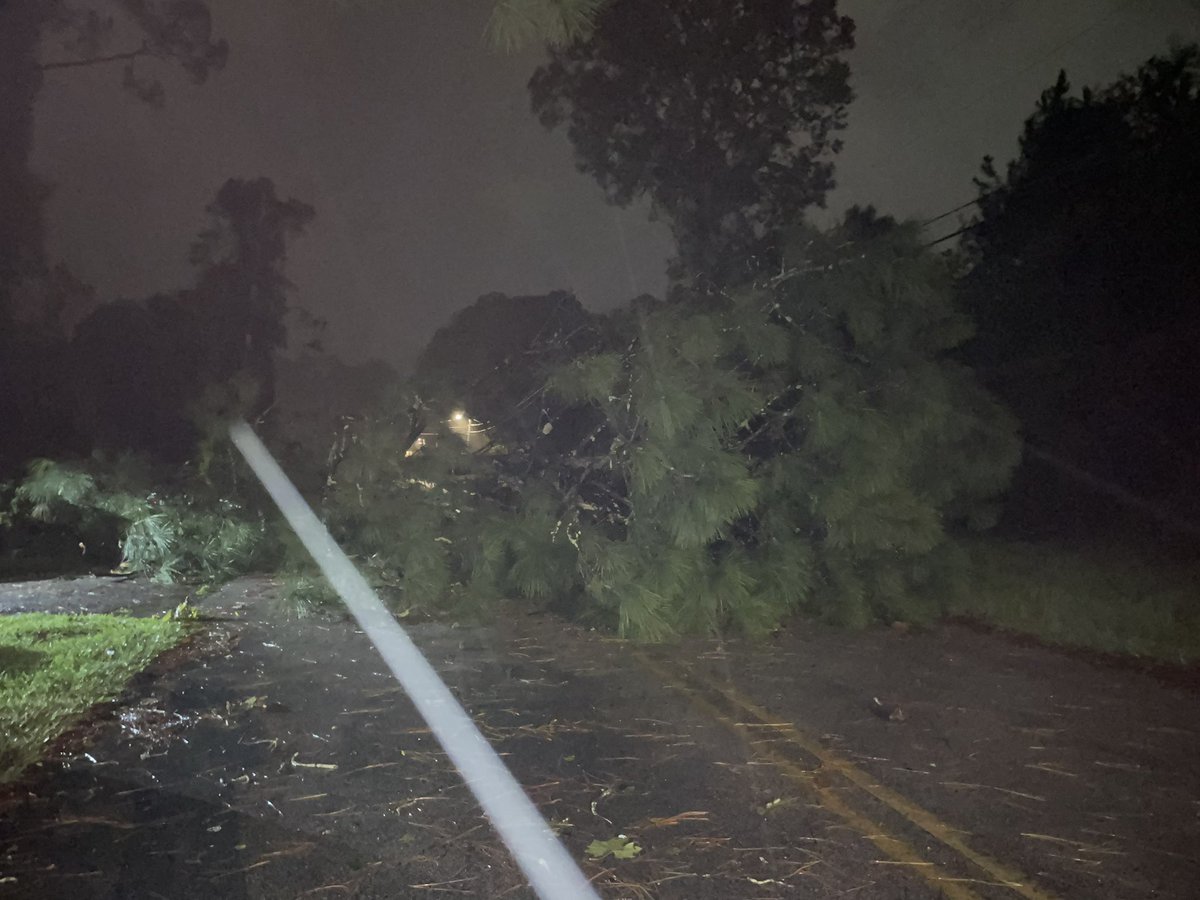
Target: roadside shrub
<point>167,529</point>
<point>1110,599</point>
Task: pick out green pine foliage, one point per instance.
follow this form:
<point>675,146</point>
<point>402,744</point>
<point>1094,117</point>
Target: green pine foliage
<point>437,530</point>
<point>808,443</point>
<point>399,515</point>
<point>194,532</point>
<point>442,529</point>
<point>805,443</point>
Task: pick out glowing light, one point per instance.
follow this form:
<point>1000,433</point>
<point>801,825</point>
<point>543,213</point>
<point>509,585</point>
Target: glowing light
<point>551,872</point>
<point>458,415</point>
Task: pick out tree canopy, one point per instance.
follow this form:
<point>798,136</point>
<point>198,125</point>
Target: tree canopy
<point>177,31</point>
<point>1084,259</point>
<point>495,353</point>
<point>1089,231</point>
<point>241,257</point>
<point>145,372</point>
<point>723,114</point>
<point>40,302</point>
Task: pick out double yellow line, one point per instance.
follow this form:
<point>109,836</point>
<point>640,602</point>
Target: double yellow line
<point>702,690</point>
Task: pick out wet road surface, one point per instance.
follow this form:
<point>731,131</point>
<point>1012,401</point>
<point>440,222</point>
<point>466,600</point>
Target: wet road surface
<point>820,764</point>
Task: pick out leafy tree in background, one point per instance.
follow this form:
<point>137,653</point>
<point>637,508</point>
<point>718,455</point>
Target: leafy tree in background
<point>186,345</point>
<point>516,25</point>
<point>724,115</point>
<point>39,302</point>
<point>242,286</point>
<point>1085,260</point>
<point>136,366</point>
<point>77,36</point>
<point>493,357</point>
<point>175,31</point>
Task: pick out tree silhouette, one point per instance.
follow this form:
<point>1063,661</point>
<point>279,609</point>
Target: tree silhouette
<point>1085,260</point>
<point>178,31</point>
<point>495,353</point>
<point>142,370</point>
<point>34,361</point>
<point>723,114</point>
<point>241,257</point>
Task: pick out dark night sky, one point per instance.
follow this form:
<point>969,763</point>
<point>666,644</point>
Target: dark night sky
<point>434,184</point>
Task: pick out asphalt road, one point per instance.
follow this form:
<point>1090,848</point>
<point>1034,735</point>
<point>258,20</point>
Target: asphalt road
<point>286,763</point>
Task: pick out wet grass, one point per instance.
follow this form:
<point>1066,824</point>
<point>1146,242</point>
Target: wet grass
<point>1111,601</point>
<point>53,668</point>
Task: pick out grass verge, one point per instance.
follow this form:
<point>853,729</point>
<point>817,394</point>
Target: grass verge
<point>53,668</point>
<point>1111,601</point>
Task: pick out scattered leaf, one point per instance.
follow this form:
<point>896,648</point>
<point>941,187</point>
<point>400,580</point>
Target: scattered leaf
<point>619,847</point>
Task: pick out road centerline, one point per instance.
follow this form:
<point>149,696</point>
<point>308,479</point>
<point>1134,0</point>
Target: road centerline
<point>899,851</point>
<point>1000,873</point>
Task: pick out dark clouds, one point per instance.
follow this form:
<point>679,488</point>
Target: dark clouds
<point>434,184</point>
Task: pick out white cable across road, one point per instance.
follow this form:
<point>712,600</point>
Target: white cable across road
<point>551,872</point>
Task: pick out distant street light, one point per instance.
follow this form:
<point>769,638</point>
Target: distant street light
<point>471,431</point>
